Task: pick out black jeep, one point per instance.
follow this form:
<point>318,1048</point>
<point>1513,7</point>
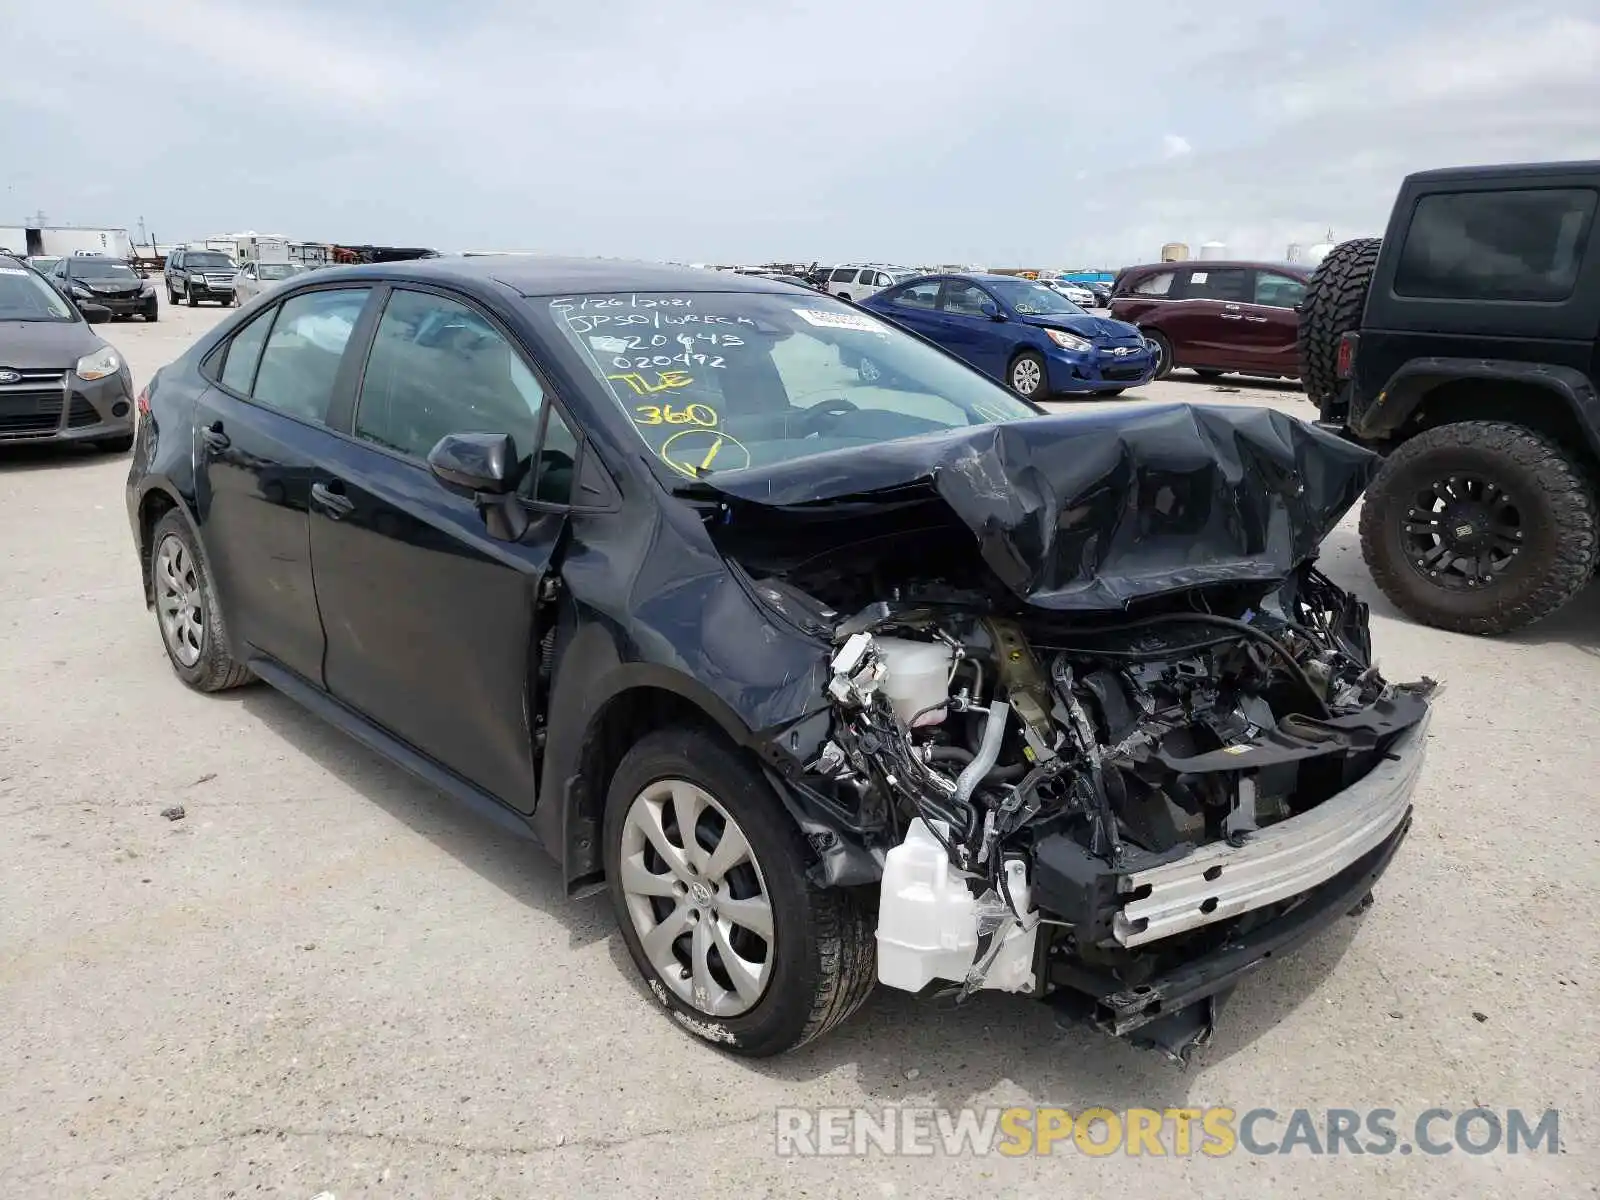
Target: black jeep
<point>1462,345</point>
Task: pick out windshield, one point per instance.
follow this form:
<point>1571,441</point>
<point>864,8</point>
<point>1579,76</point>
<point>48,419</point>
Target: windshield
<point>276,270</point>
<point>25,296</point>
<point>720,381</point>
<point>101,272</point>
<point>1033,299</point>
<point>209,261</point>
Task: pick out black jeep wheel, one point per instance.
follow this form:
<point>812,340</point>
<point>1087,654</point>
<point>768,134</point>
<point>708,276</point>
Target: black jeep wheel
<point>1331,308</point>
<point>1479,527</point>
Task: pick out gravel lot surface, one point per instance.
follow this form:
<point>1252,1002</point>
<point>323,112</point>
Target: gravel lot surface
<point>325,978</point>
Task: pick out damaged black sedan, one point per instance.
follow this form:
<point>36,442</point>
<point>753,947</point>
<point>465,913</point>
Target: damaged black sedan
<point>828,681</point>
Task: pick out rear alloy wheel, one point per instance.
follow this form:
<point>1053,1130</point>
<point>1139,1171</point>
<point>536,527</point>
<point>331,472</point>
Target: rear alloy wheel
<point>1027,376</point>
<point>1163,349</point>
<point>192,628</point>
<point>1479,527</point>
<point>707,873</point>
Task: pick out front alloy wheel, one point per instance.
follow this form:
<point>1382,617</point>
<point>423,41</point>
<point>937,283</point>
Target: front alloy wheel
<point>711,881</point>
<point>1027,375</point>
<point>697,898</point>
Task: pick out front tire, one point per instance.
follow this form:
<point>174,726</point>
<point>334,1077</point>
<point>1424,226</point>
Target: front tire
<point>1163,350</point>
<point>187,612</point>
<point>1028,377</point>
<point>1480,527</point>
<point>721,921</point>
<point>188,297</point>
<point>152,314</point>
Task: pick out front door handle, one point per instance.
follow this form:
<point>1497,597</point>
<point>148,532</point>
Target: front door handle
<point>1231,316</point>
<point>215,437</point>
<point>335,503</point>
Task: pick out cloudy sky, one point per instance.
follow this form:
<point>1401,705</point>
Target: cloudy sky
<point>1042,132</point>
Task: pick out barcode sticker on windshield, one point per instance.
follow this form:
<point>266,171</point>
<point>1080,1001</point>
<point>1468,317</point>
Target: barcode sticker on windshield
<point>837,320</point>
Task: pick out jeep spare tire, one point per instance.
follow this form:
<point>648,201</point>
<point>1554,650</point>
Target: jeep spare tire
<point>1332,308</point>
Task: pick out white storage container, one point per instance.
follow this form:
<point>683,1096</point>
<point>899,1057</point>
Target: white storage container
<point>917,676</point>
<point>927,919</point>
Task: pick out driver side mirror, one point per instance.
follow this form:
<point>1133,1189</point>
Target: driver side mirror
<point>991,310</point>
<point>475,462</point>
<point>484,464</point>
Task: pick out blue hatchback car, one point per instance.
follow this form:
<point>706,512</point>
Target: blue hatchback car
<point>1023,333</point>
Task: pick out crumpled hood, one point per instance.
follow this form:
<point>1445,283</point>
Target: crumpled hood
<point>1090,511</point>
<point>1095,328</point>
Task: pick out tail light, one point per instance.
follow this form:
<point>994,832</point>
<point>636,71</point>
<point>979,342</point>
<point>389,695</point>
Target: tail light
<point>1346,359</point>
<point>142,403</point>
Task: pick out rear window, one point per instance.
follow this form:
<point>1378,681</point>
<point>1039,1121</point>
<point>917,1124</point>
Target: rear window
<point>1513,245</point>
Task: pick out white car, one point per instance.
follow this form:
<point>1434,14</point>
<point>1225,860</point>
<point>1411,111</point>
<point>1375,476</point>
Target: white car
<point>1076,292</point>
<point>857,281</point>
<point>255,278</point>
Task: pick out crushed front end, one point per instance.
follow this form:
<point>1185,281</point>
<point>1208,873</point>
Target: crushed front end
<point>1123,816</point>
<point>1121,746</point>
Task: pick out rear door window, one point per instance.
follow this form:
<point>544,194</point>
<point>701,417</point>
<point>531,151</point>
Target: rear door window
<point>244,352</point>
<point>1526,244</point>
<point>918,295</point>
<point>843,274</point>
<point>301,359</point>
<point>1278,291</point>
<point>1229,283</point>
<point>1159,284</point>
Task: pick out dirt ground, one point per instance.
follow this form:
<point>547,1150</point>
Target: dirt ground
<point>325,978</point>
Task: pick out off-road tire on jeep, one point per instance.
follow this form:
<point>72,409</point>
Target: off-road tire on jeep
<point>1557,518</point>
<point>825,953</point>
<point>1331,308</point>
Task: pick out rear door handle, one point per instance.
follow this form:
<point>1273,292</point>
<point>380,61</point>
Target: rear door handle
<point>1231,316</point>
<point>215,437</point>
<point>335,503</point>
<point>1258,320</point>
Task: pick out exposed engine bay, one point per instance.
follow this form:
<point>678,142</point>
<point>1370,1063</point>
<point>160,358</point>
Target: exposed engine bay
<point>1032,767</point>
<point>1112,737</point>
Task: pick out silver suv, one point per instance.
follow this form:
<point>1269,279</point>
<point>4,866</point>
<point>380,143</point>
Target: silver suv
<point>857,281</point>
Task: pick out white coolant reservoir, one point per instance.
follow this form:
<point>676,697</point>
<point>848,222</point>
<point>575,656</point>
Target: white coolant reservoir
<point>917,676</point>
<point>927,919</point>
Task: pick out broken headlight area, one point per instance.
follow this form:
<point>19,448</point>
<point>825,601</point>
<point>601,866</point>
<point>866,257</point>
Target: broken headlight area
<point>1112,810</point>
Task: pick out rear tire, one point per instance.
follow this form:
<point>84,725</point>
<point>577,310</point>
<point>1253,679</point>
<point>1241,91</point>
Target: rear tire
<point>820,958</point>
<point>1208,373</point>
<point>1331,308</point>
<point>1109,393</point>
<point>1536,491</point>
<point>207,667</point>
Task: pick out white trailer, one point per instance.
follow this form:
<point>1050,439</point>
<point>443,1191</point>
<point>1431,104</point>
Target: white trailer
<point>270,250</point>
<point>65,241</point>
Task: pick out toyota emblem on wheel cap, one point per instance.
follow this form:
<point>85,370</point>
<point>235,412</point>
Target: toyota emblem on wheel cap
<point>9,376</point>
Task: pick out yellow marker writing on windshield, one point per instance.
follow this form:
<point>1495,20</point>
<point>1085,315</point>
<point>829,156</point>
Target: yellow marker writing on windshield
<point>712,453</point>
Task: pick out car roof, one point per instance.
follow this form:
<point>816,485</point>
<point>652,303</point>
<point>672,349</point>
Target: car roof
<point>530,275</point>
<point>1216,264</point>
<point>1583,167</point>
